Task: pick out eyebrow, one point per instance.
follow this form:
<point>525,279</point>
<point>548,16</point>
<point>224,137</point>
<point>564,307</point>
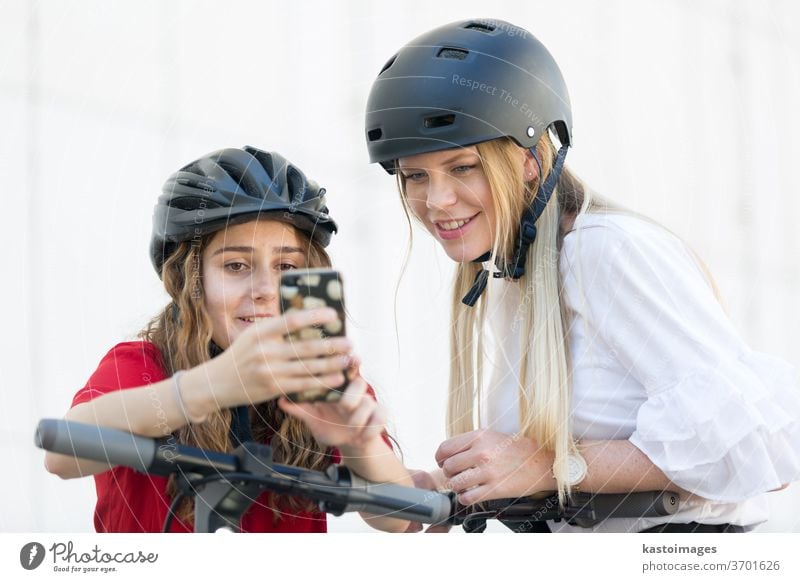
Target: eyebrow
<point>448,160</point>
<point>246,249</point>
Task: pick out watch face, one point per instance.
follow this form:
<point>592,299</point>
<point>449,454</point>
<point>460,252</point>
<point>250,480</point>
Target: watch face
<point>576,469</point>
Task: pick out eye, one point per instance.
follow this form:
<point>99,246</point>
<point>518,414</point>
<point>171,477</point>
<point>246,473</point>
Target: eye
<point>415,176</point>
<point>463,169</point>
<point>235,267</point>
<point>286,267</point>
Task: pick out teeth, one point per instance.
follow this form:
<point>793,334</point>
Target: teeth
<point>453,224</point>
<point>252,319</point>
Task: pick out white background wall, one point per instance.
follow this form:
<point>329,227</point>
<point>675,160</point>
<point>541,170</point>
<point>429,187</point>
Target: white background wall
<point>686,111</point>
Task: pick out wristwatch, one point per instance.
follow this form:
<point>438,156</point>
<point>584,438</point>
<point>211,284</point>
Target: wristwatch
<point>576,469</point>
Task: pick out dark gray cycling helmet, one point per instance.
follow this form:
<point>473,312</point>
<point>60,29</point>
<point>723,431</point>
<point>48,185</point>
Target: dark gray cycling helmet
<point>462,84</point>
<point>466,83</point>
<point>231,186</point>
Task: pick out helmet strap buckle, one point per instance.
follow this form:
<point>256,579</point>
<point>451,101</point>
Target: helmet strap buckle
<point>515,268</point>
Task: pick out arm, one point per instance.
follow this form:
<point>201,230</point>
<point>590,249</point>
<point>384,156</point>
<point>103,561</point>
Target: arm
<point>259,366</point>
<point>355,426</point>
<point>151,411</point>
<point>710,400</point>
<point>482,465</point>
<point>376,461</point>
<point>619,467</point>
<point>435,481</point>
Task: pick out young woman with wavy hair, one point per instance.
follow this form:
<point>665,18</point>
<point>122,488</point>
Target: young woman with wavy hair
<point>211,369</point>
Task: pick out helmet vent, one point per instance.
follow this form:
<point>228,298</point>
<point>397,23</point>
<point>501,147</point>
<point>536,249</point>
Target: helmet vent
<point>375,134</point>
<point>245,184</point>
<point>190,203</point>
<point>480,27</point>
<point>453,53</point>
<point>439,121</point>
<point>296,183</point>
<point>388,64</point>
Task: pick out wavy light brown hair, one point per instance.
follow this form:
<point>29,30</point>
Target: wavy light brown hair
<point>182,332</point>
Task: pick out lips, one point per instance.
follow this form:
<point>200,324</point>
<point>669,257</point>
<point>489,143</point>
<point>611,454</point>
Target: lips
<point>453,229</point>
<point>248,319</point>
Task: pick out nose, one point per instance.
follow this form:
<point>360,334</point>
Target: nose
<point>265,284</point>
<point>441,191</point>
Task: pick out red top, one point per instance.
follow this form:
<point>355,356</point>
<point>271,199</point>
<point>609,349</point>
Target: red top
<point>133,502</point>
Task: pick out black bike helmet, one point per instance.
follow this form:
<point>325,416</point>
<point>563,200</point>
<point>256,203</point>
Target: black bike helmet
<point>231,186</point>
<point>465,83</point>
<point>462,84</point>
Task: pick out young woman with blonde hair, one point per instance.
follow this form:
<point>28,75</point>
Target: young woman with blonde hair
<point>588,348</point>
<point>212,367</point>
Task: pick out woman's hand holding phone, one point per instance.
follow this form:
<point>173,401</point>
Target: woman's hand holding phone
<point>352,424</point>
<point>262,365</point>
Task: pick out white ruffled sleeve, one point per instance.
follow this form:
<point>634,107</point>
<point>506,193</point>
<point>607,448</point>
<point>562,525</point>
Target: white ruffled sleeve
<point>719,420</point>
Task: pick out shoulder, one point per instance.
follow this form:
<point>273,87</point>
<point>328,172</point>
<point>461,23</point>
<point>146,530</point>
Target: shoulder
<point>616,229</point>
<point>139,353</point>
<point>599,240</point>
<point>126,365</point>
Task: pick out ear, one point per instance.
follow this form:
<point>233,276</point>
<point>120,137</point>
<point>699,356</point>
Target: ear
<point>530,169</point>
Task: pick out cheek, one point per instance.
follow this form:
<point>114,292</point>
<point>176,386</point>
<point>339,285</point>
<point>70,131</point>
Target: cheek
<point>490,217</point>
<point>215,298</point>
<point>415,201</point>
<point>481,194</point>
<point>419,211</point>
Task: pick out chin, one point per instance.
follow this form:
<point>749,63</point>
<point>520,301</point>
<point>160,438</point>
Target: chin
<point>462,255</point>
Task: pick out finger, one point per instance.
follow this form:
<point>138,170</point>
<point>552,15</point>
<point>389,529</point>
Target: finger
<point>354,371</point>
<point>311,367</point>
<point>423,480</point>
<point>361,416</point>
<point>315,348</point>
<point>376,424</point>
<point>476,495</point>
<point>414,527</point>
<point>278,327</point>
<point>462,461</point>
<point>352,397</point>
<point>302,318</point>
<point>466,479</point>
<point>456,444</point>
<point>301,411</point>
<point>289,385</point>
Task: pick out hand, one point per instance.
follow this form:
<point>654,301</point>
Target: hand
<point>484,464</point>
<point>434,481</point>
<point>352,423</point>
<point>261,365</point>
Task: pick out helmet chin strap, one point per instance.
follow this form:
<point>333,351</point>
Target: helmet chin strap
<point>515,268</point>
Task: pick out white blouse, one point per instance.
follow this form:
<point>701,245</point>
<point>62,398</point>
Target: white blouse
<point>656,360</point>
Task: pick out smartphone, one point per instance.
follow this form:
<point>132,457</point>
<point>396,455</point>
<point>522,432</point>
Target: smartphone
<point>310,289</point>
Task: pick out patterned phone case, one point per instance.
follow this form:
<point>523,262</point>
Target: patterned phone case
<point>310,289</point>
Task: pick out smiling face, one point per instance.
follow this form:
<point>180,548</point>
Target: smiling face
<point>449,193</point>
<point>242,265</point>
<point>453,196</point>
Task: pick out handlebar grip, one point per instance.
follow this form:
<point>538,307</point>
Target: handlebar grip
<point>641,504</point>
<point>89,441</point>
<point>422,505</point>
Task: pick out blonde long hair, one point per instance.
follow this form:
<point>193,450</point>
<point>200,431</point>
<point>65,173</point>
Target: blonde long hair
<point>182,333</point>
<point>544,387</point>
